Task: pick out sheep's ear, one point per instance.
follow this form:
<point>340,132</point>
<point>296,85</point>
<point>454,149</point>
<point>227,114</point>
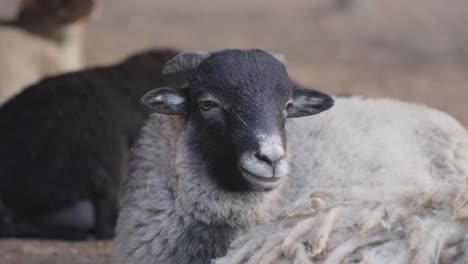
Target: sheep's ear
<point>308,102</point>
<point>167,100</point>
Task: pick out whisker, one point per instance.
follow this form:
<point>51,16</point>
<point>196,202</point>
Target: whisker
<point>240,119</point>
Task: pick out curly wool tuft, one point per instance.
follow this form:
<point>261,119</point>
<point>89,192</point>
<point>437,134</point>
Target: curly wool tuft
<point>397,224</point>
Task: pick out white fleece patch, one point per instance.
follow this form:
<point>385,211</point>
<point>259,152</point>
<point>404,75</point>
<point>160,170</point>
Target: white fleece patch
<point>169,99</point>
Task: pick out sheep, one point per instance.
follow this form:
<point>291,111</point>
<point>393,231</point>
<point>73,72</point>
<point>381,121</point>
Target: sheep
<point>214,165</point>
<point>45,38</point>
<point>64,145</point>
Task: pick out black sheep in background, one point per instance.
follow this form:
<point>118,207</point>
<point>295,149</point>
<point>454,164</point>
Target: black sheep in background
<point>64,144</point>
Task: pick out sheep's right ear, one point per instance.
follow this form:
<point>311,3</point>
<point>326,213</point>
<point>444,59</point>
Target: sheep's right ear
<point>307,102</point>
<point>167,100</point>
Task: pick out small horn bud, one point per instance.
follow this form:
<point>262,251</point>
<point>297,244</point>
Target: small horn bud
<point>185,62</point>
<point>280,57</point>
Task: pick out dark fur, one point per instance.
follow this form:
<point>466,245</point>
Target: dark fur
<point>246,82</point>
<point>67,138</point>
<point>201,243</point>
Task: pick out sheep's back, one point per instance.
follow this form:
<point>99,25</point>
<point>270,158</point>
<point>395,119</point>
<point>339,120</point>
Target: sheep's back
<point>60,135</point>
<point>360,139</point>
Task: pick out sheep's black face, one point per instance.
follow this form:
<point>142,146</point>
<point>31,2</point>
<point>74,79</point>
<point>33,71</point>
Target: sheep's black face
<point>237,103</point>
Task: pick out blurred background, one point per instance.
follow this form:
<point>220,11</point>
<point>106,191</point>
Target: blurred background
<point>413,50</point>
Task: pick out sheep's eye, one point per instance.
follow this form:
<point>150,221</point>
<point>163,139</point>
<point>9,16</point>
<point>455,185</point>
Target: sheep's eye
<point>288,106</point>
<point>207,105</point>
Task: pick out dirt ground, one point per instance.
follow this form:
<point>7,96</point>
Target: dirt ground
<point>54,252</point>
<point>413,50</point>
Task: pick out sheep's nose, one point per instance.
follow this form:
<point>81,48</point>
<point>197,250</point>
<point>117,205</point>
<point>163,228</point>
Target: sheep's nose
<point>268,161</point>
<point>271,157</point>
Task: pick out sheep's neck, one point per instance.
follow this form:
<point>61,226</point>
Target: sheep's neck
<point>215,238</point>
<point>211,216</point>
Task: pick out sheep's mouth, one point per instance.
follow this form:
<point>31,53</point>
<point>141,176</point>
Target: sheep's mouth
<point>260,182</point>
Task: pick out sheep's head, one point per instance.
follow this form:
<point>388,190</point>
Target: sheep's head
<point>57,11</point>
<point>238,102</point>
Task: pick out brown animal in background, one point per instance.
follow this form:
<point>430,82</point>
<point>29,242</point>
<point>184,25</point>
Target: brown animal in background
<point>45,38</point>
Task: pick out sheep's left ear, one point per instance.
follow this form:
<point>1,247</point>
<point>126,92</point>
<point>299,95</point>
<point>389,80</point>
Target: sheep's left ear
<point>167,100</point>
<point>308,102</point>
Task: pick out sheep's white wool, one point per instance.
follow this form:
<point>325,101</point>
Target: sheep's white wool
<point>401,224</point>
<point>25,58</point>
<point>376,181</point>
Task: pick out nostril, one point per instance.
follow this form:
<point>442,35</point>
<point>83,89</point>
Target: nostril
<point>263,158</point>
<point>266,158</point>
